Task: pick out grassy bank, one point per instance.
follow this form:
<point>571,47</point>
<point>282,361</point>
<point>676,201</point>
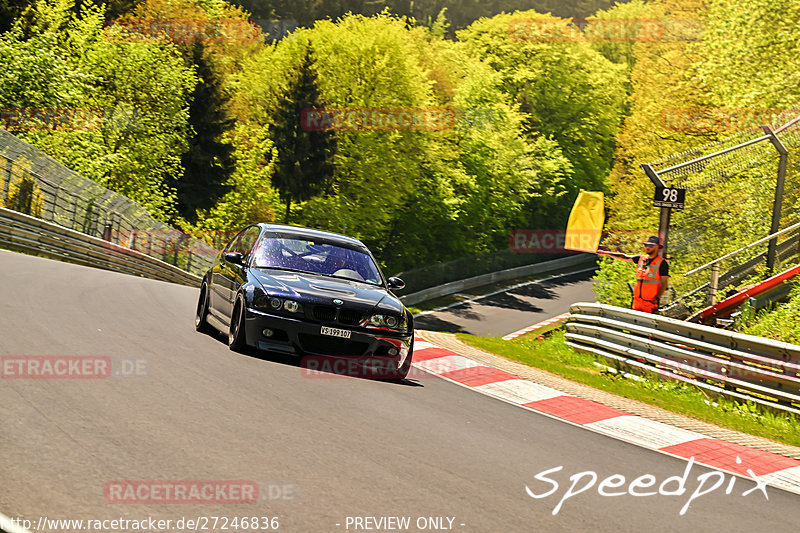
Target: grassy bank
<point>553,355</point>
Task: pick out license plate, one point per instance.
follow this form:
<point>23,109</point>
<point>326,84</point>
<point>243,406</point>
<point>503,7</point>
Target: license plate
<point>335,332</point>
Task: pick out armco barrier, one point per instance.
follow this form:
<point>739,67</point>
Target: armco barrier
<point>740,366</point>
<point>33,235</point>
<point>502,275</point>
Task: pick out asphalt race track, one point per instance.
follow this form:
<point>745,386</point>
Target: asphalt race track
<point>512,310</point>
<point>320,448</point>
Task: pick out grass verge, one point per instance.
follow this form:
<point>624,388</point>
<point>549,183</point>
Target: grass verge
<point>553,355</point>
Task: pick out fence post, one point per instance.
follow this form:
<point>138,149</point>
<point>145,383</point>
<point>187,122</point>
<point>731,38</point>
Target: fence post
<point>772,251</point>
<point>663,228</point>
<point>74,210</point>
<point>7,181</point>
<point>713,284</point>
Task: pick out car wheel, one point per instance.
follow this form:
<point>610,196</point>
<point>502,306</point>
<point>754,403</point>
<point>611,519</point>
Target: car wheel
<point>404,366</point>
<point>200,322</point>
<point>236,333</point>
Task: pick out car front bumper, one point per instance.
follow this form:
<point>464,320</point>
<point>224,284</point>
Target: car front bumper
<point>302,338</point>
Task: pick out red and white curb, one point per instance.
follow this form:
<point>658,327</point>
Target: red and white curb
<point>539,325</point>
<point>772,469</point>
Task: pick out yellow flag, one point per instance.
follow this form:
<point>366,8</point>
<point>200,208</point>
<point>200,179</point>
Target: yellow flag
<point>585,222</point>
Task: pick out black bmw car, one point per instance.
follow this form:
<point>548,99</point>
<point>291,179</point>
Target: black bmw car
<point>309,293</point>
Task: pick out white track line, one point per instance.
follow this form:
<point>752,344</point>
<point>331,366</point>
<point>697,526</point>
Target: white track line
<point>538,325</point>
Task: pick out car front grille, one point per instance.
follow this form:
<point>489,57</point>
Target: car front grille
<point>331,345</point>
<point>324,314</point>
<point>349,317</point>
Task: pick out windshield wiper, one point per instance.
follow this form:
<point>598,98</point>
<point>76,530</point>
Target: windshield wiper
<point>287,269</point>
<point>352,279</point>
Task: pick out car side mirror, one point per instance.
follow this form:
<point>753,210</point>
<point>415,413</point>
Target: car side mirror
<point>395,283</point>
<point>234,257</point>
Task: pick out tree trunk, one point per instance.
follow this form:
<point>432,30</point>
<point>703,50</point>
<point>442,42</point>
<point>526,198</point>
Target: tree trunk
<point>288,207</point>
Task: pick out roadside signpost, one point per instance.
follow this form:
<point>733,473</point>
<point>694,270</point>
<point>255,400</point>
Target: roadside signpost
<point>669,197</point>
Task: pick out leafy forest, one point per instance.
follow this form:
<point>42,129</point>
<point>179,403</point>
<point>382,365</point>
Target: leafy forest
<point>203,127</point>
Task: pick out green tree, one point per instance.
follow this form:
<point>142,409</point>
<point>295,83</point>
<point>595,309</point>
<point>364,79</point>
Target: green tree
<point>138,88</point>
<point>208,163</point>
<point>304,165</point>
<point>568,91</point>
<point>250,197</point>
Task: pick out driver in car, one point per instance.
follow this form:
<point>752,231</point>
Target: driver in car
<point>338,263</point>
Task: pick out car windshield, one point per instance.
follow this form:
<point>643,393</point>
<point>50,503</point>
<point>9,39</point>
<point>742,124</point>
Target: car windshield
<point>316,257</point>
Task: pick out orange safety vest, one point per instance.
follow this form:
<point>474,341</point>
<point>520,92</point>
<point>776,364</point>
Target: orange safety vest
<point>648,280</point>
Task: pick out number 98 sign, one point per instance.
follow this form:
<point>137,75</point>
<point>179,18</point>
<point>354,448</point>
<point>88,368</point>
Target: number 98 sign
<point>669,197</point>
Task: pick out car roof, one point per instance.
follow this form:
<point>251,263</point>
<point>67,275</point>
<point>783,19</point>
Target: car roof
<point>308,233</point>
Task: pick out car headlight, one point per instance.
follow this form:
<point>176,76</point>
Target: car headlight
<point>273,303</point>
<point>292,306</point>
<point>387,321</point>
<point>260,299</point>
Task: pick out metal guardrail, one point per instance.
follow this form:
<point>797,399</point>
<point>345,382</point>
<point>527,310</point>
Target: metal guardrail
<point>739,366</point>
<point>33,235</point>
<point>438,274</point>
<point>502,275</point>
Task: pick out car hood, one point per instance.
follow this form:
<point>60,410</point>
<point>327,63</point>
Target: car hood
<point>323,290</point>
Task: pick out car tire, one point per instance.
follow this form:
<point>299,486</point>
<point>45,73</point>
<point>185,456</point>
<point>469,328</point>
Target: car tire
<point>200,318</point>
<point>236,333</point>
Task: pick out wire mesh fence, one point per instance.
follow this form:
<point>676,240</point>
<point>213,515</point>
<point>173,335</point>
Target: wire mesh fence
<point>731,193</point>
<point>35,184</point>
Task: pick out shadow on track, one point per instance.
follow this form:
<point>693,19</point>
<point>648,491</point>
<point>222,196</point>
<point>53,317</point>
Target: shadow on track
<point>295,361</point>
